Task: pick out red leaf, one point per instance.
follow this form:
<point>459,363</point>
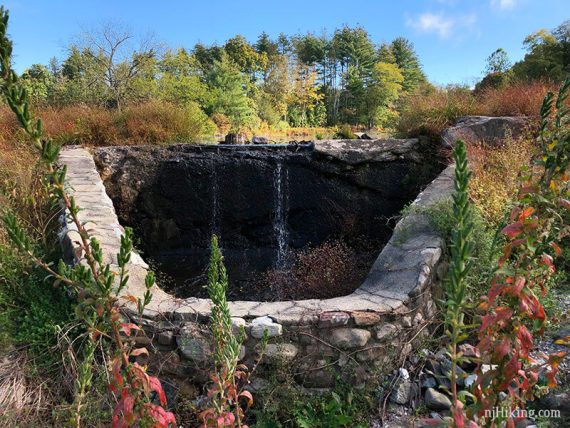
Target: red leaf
<point>228,419</point>
<point>510,370</point>
<point>502,349</point>
<point>503,313</point>
<point>494,291</point>
<point>533,307</point>
<point>527,212</point>
<point>487,321</point>
<point>116,370</point>
<point>139,351</point>
<point>557,249</point>
<point>547,261</point>
<point>525,339</point>
<point>249,397</point>
<point>159,416</point>
<point>458,415</point>
<point>513,230</point>
<point>156,386</point>
<point>139,373</point>
<point>517,287</point>
<point>128,326</point>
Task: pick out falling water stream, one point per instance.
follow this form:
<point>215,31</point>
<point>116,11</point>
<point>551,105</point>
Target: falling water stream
<point>215,226</point>
<point>280,182</point>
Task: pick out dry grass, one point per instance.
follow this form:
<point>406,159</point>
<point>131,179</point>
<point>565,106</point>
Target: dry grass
<point>430,111</point>
<point>26,399</point>
<point>158,122</point>
<point>154,122</point>
<point>516,99</point>
<point>495,174</point>
<point>290,134</point>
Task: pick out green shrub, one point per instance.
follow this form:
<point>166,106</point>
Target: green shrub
<point>339,408</point>
<point>344,132</point>
<point>32,310</point>
<point>483,239</point>
<point>331,411</point>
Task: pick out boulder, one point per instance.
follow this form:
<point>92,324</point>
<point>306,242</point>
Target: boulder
<point>259,140</point>
<point>429,382</point>
<point>385,331</point>
<point>363,136</point>
<point>404,392</point>
<point>365,318</point>
<point>436,400</point>
<point>488,130</point>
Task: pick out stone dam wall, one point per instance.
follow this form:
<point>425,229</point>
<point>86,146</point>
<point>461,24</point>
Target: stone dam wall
<point>262,202</point>
<point>350,337</point>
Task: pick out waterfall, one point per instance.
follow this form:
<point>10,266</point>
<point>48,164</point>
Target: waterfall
<point>215,226</point>
<point>280,182</point>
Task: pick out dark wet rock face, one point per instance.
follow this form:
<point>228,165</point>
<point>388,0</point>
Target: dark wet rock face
<point>262,201</point>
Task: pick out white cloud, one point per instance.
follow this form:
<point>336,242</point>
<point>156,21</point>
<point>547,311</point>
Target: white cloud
<point>503,4</point>
<point>440,24</point>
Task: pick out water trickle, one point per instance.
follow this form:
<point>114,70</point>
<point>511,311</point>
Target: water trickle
<point>215,222</point>
<point>280,184</point>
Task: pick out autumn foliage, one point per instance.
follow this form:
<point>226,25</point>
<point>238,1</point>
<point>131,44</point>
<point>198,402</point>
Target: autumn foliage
<point>513,315</point>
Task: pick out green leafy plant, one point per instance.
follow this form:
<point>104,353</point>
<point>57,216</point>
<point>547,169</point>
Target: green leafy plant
<point>460,264</point>
<point>229,377</point>
<point>95,284</point>
<point>336,412</point>
<point>345,132</point>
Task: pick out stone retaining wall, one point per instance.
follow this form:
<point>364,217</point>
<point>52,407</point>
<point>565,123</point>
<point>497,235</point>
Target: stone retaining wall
<point>320,341</point>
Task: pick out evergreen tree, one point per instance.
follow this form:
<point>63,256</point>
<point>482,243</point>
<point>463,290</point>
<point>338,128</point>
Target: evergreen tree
<point>228,87</point>
<point>207,56</point>
<point>409,64</point>
<point>283,44</point>
<point>265,45</point>
<point>385,54</point>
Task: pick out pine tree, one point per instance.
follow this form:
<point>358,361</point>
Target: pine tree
<point>407,60</point>
<point>228,87</point>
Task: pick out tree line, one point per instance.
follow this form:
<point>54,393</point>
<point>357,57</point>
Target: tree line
<point>547,58</point>
<point>302,80</point>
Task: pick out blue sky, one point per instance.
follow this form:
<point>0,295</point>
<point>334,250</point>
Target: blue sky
<point>451,37</point>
